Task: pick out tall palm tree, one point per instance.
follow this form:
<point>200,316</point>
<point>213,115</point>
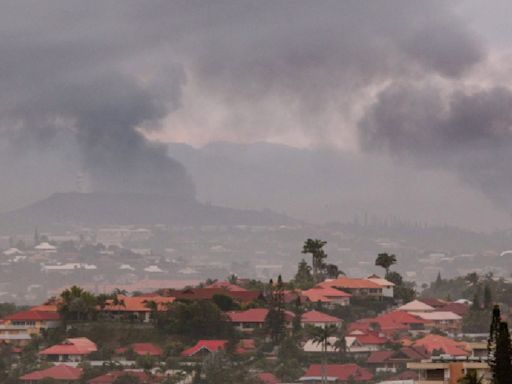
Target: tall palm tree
<point>318,255</point>
<point>323,335</point>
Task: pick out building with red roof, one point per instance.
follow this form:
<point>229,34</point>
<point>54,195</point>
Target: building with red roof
<point>443,345</point>
<point>136,307</point>
<point>337,373</point>
<point>19,327</point>
<point>242,297</point>
<point>57,372</point>
<point>268,378</point>
<point>111,377</point>
<point>251,319</point>
<point>356,287</point>
<point>71,350</point>
<point>361,344</point>
<point>204,347</point>
<point>146,349</point>
<point>391,361</point>
<point>327,295</point>
<point>319,319</point>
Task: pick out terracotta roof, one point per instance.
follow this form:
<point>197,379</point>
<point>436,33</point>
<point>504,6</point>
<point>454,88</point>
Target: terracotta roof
<point>72,346</point>
<point>45,308</point>
<point>33,316</point>
<point>268,378</point>
<point>439,316</point>
<point>416,306</point>
<point>403,354</point>
<point>433,302</point>
<point>253,315</point>
<point>405,375</point>
<point>458,308</point>
<point>208,293</point>
<point>149,349</point>
<point>449,346</point>
<point>138,303</point>
<point>208,345</point>
<point>349,283</point>
<point>319,317</point>
<point>371,339</point>
<point>324,294</point>
<point>382,282</point>
<point>57,372</point>
<point>342,372</point>
<point>401,317</point>
<point>111,377</point>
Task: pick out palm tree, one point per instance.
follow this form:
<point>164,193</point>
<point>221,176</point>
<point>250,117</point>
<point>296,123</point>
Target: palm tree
<point>471,377</point>
<point>315,248</point>
<point>323,335</point>
<point>385,261</point>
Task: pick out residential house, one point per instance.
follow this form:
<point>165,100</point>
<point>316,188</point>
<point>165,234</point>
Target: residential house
<point>449,372</point>
<point>267,378</point>
<point>140,377</point>
<point>71,350</point>
<point>62,373</point>
<point>19,327</point>
<point>254,318</point>
<point>135,307</point>
<point>393,361</point>
<point>445,321</point>
<point>415,307</point>
<point>242,297</point>
<point>361,344</point>
<point>205,347</point>
<point>387,286</point>
<point>356,287</point>
<point>336,373</point>
<point>327,296</point>
<point>319,319</point>
<point>142,349</point>
<point>316,347</point>
<point>442,345</point>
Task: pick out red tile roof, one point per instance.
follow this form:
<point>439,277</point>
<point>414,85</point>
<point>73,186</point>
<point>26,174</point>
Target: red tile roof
<point>72,346</point>
<point>57,372</point>
<point>111,377</point>
<point>253,315</point>
<point>349,283</point>
<point>324,294</point>
<point>319,317</point>
<point>143,349</point>
<point>449,346</point>
<point>343,372</point>
<point>33,316</point>
<point>138,303</point>
<point>404,354</point>
<point>208,345</point>
<point>268,378</point>
<point>45,308</point>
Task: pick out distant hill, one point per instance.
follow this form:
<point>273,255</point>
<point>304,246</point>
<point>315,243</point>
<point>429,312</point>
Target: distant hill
<point>64,209</point>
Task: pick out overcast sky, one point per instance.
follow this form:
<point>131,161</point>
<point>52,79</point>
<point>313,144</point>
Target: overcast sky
<point>98,88</point>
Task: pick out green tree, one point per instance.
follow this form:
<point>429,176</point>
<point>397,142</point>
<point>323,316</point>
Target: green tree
<point>385,261</point>
<point>332,271</point>
<point>225,302</point>
<point>503,366</point>
<point>303,278</point>
<point>275,322</point>
<point>77,304</point>
<point>314,247</point>
<point>472,278</point>
<point>323,335</point>
<point>487,297</point>
<point>126,379</point>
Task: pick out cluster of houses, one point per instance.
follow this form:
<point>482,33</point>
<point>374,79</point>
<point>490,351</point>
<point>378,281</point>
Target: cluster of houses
<point>414,343</point>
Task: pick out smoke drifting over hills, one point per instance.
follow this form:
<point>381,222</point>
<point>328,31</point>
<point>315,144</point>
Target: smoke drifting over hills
<point>100,86</point>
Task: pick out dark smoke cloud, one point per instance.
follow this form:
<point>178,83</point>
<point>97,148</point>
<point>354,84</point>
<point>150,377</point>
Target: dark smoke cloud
<point>86,75</point>
<point>71,88</point>
<point>468,132</point>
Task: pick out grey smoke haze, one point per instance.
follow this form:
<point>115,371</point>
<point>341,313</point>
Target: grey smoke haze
<point>99,86</point>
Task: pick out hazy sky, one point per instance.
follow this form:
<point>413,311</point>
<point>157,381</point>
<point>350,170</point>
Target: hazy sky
<point>96,87</point>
